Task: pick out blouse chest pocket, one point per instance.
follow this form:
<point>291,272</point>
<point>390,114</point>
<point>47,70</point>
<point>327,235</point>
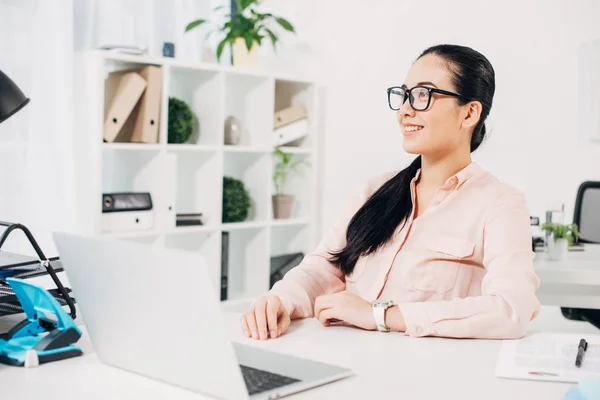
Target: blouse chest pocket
<point>437,270</point>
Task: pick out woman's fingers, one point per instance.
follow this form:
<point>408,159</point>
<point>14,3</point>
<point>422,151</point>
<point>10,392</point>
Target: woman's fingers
<point>326,316</point>
<point>283,324</point>
<point>244,326</point>
<point>274,310</point>
<point>251,321</point>
<point>321,303</point>
<point>266,318</point>
<point>260,313</point>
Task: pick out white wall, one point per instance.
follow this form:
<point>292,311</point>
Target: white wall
<point>359,48</point>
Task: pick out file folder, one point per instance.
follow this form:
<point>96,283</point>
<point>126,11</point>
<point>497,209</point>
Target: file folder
<point>147,119</point>
<point>122,91</point>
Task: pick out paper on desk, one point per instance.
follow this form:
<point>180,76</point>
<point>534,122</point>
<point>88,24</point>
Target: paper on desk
<point>549,357</point>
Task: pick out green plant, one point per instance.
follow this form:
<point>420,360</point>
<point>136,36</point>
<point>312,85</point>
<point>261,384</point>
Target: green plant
<point>245,23</point>
<point>560,231</point>
<point>283,167</point>
<point>181,121</point>
<point>236,200</point>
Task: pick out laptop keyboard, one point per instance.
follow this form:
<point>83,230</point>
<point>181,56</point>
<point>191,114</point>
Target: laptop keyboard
<point>258,381</point>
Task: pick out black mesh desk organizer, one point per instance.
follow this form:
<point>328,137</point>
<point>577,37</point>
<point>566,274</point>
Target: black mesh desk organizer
<point>9,304</point>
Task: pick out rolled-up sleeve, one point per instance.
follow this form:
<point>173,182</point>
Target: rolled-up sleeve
<point>507,302</point>
<point>315,275</point>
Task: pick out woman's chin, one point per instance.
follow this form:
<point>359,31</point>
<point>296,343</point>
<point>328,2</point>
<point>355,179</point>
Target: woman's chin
<point>411,147</point>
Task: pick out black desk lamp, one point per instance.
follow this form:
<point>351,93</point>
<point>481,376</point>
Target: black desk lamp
<point>11,97</point>
<point>12,100</point>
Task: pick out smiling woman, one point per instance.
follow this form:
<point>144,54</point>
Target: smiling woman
<point>440,248</point>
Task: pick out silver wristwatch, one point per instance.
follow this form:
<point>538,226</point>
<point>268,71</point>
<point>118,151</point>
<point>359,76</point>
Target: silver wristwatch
<point>379,308</point>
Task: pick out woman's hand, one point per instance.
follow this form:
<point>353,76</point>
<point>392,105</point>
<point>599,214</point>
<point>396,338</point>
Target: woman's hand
<point>345,307</point>
<point>266,318</point>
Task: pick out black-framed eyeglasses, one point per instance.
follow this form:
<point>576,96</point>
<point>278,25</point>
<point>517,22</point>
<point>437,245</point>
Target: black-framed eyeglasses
<point>419,96</point>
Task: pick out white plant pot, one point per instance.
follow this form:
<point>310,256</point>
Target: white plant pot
<point>558,249</point>
<point>241,56</point>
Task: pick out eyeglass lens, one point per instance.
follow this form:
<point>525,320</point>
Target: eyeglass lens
<point>419,98</point>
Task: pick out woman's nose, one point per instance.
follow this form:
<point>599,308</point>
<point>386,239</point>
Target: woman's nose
<point>406,110</point>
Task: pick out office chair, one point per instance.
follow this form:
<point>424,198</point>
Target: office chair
<point>587,218</point>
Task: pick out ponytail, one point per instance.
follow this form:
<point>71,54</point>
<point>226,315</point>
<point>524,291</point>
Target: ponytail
<point>376,221</point>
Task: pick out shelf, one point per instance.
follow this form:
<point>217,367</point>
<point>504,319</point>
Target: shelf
<point>192,148</point>
<point>232,226</point>
<point>131,146</point>
<point>245,149</point>
<point>198,186</point>
<point>201,66</point>
<point>253,170</point>
<point>202,91</point>
<point>296,150</point>
<point>290,239</point>
<point>250,100</point>
<point>188,178</point>
<point>179,230</point>
<point>288,222</point>
<point>248,267</point>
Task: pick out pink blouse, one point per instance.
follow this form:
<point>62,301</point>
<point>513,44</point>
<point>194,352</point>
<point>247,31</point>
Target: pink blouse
<point>464,268</point>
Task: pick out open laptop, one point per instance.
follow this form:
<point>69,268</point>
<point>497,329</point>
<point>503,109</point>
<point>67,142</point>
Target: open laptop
<point>153,311</point>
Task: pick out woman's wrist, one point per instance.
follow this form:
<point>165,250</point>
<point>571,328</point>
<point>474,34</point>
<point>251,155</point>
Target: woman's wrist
<point>394,319</point>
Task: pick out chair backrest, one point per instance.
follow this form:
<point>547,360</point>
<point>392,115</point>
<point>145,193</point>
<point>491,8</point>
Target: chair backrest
<point>587,211</point>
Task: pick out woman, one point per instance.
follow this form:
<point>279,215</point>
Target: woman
<point>441,248</point>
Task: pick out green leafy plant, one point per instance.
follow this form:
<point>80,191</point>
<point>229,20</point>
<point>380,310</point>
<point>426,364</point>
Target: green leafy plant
<point>181,121</point>
<point>245,23</point>
<point>560,231</point>
<point>283,167</point>
<point>236,200</point>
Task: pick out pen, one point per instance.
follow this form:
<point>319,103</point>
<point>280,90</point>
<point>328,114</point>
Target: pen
<point>580,351</point>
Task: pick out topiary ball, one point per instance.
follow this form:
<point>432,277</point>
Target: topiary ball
<point>236,200</point>
<point>181,121</point>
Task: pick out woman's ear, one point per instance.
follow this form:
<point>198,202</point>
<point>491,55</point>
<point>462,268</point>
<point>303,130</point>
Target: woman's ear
<point>473,114</point>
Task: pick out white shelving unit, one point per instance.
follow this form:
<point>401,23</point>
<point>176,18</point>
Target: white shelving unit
<point>186,178</point>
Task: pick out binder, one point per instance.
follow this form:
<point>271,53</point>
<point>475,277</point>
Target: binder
<point>147,120</point>
<point>289,115</point>
<point>291,132</point>
<point>122,91</point>
<point>224,265</point>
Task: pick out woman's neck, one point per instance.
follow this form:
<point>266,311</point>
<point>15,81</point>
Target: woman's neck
<point>436,171</point>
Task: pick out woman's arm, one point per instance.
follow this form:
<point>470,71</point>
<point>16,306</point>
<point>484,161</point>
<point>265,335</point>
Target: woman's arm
<point>316,276</point>
<point>508,301</point>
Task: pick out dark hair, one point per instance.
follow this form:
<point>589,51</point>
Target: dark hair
<point>376,221</point>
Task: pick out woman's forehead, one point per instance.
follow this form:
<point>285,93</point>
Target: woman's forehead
<point>429,68</point>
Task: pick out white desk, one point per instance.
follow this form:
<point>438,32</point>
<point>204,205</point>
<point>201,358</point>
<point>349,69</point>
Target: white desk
<point>574,282</point>
<point>386,366</point>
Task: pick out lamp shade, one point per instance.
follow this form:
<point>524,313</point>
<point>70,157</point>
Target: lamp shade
<point>11,97</point>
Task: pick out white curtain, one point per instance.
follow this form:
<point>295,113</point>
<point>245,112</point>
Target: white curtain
<point>36,171</point>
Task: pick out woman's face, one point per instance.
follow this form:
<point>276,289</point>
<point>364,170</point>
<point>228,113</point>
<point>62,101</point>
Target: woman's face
<point>439,129</point>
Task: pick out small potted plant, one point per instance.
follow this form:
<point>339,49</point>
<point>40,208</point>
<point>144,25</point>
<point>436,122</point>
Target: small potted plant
<point>562,236</point>
<point>245,31</point>
<point>284,165</point>
<point>236,200</point>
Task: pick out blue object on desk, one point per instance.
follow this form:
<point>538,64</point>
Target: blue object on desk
<point>587,389</point>
<point>46,335</point>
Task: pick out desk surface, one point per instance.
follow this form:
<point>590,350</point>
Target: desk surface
<point>385,365</point>
<point>574,282</point>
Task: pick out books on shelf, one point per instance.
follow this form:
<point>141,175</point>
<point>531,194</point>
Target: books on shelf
<point>193,219</point>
